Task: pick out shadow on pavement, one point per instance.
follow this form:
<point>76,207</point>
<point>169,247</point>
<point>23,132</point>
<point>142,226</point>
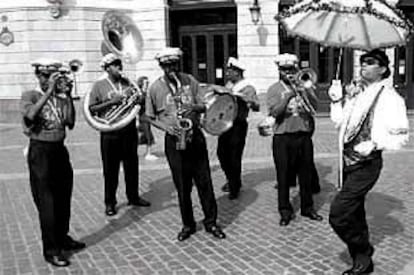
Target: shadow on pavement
<point>326,193</point>
<point>229,210</point>
<point>161,196</point>
<point>381,224</point>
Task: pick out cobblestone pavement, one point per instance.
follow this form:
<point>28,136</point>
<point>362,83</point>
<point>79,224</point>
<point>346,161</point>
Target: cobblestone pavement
<point>143,241</point>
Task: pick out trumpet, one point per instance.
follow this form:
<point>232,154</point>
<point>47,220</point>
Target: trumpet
<point>184,124</point>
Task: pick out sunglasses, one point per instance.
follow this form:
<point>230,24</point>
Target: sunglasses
<point>370,61</point>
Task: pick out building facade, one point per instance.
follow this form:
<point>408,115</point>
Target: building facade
<point>208,31</point>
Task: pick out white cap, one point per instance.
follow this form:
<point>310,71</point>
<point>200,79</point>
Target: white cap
<point>168,55</point>
<point>108,59</point>
<point>45,63</point>
<point>286,60</point>
<point>235,63</point>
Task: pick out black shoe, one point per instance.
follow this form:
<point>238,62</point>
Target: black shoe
<point>359,269</point>
<point>233,196</point>
<point>110,210</point>
<point>285,220</point>
<point>140,202</point>
<point>216,231</point>
<point>57,260</point>
<point>185,233</point>
<point>313,216</point>
<point>225,187</point>
<point>71,244</point>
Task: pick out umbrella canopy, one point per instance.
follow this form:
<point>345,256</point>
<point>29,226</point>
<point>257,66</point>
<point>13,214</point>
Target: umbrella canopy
<point>357,24</point>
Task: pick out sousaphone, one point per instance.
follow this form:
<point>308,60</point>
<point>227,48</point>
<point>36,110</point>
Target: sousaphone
<point>123,38</point>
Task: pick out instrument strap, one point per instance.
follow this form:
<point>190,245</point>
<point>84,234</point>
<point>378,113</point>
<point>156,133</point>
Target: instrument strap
<point>117,90</point>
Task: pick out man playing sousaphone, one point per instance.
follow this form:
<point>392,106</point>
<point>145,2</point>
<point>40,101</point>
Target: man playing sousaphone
<point>174,105</point>
<point>119,145</point>
<point>292,106</point>
<point>231,143</point>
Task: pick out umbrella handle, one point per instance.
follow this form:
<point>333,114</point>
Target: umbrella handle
<point>338,65</point>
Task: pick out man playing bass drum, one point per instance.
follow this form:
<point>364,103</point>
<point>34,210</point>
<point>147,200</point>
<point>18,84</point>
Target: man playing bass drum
<point>231,143</point>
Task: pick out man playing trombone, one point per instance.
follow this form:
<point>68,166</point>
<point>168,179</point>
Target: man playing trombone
<point>292,104</point>
<point>117,145</point>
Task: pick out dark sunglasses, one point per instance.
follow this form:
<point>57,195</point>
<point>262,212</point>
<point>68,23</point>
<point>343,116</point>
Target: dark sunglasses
<point>370,61</point>
<point>116,63</point>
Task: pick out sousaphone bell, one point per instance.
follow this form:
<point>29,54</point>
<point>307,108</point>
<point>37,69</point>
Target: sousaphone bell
<point>122,38</point>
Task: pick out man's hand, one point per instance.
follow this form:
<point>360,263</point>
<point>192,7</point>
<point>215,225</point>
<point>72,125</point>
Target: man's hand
<point>173,130</point>
<point>52,81</point>
<point>365,148</point>
<point>191,107</point>
<point>335,91</point>
<point>116,99</point>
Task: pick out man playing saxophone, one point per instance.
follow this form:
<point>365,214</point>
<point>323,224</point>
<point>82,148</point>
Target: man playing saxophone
<point>292,106</point>
<point>174,105</point>
<point>119,145</point>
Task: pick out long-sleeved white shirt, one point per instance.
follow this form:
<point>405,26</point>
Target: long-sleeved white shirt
<point>390,123</point>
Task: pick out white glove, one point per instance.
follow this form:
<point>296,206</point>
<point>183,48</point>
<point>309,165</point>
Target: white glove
<point>365,148</point>
<point>335,91</point>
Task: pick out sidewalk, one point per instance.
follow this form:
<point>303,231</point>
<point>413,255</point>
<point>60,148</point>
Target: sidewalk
<point>143,240</point>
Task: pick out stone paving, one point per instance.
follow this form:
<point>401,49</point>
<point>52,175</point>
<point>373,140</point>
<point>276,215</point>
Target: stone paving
<point>143,240</point>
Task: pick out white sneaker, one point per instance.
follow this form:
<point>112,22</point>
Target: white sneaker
<point>151,157</point>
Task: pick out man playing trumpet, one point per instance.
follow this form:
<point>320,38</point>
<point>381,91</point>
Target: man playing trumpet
<point>174,105</point>
<point>292,105</point>
<point>118,145</point>
<point>47,111</point>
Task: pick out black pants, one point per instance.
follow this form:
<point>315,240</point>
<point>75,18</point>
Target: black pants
<point>230,151</point>
<point>293,149</point>
<point>188,166</point>
<point>51,182</point>
<point>116,148</point>
<point>347,213</point>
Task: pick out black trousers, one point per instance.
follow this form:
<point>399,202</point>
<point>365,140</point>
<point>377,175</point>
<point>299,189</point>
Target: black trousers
<point>188,166</point>
<point>116,148</point>
<point>347,213</point>
<point>51,182</point>
<point>230,151</point>
<point>293,149</point>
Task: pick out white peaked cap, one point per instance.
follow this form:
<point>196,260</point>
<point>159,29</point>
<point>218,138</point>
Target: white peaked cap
<point>234,62</point>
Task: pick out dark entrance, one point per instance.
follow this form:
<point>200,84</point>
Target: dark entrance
<point>207,36</point>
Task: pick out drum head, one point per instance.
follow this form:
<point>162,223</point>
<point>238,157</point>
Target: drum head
<point>220,115</point>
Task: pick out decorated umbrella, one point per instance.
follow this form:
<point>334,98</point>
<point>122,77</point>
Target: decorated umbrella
<point>356,24</point>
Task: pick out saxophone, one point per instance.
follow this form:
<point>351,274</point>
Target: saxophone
<point>184,124</point>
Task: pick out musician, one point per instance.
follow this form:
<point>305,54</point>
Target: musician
<point>119,145</point>
<point>175,97</point>
<point>292,106</point>
<point>231,143</point>
<point>144,126</point>
<point>47,110</point>
<point>371,118</point>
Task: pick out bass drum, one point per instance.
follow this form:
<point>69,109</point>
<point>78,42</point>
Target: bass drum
<point>220,114</point>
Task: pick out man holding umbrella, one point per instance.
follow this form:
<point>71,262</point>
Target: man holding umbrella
<point>371,117</point>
